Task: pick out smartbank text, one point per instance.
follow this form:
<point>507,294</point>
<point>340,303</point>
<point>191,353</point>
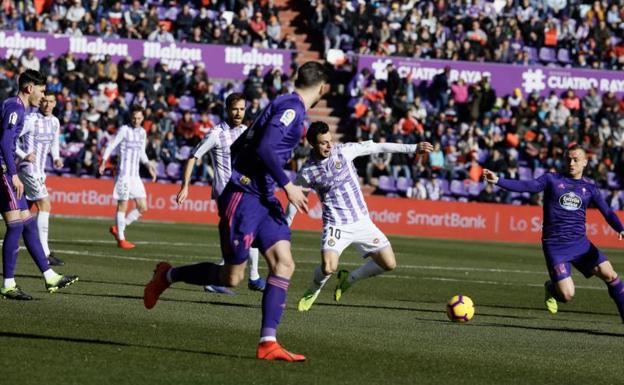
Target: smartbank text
<point>413,217</point>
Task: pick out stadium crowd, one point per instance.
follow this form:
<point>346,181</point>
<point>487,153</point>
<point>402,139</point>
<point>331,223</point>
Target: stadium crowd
<point>555,32</point>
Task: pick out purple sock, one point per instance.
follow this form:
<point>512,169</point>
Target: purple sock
<point>10,247</point>
<point>616,291</point>
<point>273,304</point>
<point>205,273</point>
<point>33,244</point>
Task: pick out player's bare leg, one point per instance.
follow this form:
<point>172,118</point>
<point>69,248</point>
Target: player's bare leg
<point>615,286</point>
<point>560,291</point>
<point>43,223</point>
<point>281,267</point>
<point>379,262</point>
<point>322,274</point>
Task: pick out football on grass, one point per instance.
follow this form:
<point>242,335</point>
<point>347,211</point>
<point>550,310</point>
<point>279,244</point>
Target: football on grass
<point>460,308</point>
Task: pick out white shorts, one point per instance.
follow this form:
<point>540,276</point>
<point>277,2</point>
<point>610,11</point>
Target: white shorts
<point>129,188</point>
<point>34,186</point>
<point>364,234</point>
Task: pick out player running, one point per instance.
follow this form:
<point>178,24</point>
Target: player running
<point>13,204</point>
<point>331,173</point>
<point>218,142</point>
<point>250,213</point>
<point>39,137</point>
<point>564,240</point>
<point>128,184</point>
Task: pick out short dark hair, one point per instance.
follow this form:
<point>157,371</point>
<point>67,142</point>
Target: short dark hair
<point>233,98</point>
<point>573,147</point>
<point>311,74</point>
<point>50,93</point>
<point>31,77</point>
<point>315,129</point>
<point>137,108</point>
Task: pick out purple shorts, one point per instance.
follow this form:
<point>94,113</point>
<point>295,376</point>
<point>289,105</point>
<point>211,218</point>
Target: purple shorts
<point>246,221</point>
<point>583,255</point>
<point>8,196</point>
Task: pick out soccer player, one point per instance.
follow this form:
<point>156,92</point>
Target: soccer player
<point>128,184</point>
<point>250,213</point>
<point>39,137</point>
<point>19,222</point>
<point>331,173</point>
<point>564,240</point>
<point>218,142</point>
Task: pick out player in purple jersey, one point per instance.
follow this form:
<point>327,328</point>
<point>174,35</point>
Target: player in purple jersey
<point>218,141</point>
<point>39,137</point>
<point>13,204</point>
<point>250,213</point>
<point>564,240</point>
<point>331,173</point>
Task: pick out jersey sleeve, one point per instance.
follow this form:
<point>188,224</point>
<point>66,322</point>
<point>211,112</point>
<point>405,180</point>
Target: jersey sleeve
<point>10,122</point>
<point>208,143</point>
<point>530,186</point>
<point>143,156</point>
<point>354,150</point>
<point>55,148</point>
<point>606,211</point>
<point>115,142</point>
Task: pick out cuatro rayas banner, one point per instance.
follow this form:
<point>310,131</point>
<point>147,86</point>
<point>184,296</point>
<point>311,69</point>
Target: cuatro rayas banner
<point>221,61</point>
<point>504,78</point>
<point>395,216</point>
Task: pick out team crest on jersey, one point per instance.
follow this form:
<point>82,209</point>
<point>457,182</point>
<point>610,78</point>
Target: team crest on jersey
<point>288,116</point>
<point>13,118</point>
<point>338,164</point>
<point>570,201</point>
<point>244,180</point>
<point>331,242</point>
<point>376,240</point>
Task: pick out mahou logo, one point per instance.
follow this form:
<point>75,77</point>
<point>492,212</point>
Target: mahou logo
<point>570,201</point>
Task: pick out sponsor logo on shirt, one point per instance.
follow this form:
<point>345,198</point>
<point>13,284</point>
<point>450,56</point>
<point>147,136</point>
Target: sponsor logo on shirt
<point>288,116</point>
<point>570,201</point>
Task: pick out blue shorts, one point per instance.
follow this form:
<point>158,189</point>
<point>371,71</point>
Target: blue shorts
<point>8,196</point>
<point>246,221</point>
<point>583,255</point>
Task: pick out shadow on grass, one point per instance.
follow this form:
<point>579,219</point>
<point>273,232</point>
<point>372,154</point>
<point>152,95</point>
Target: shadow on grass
<point>90,341</point>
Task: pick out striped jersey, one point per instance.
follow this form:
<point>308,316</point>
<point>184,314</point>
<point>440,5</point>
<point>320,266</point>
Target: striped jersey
<point>336,181</point>
<point>40,136</point>
<point>218,141</point>
<point>132,143</point>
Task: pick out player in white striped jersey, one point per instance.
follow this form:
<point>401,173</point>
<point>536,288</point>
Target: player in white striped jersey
<point>39,137</point>
<point>218,141</point>
<point>128,183</point>
<point>331,173</point>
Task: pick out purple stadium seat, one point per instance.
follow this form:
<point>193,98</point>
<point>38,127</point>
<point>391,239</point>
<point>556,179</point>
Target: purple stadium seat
<point>184,153</point>
<point>173,170</point>
<point>161,172</point>
<point>186,103</point>
<point>538,172</point>
<point>474,188</point>
<point>547,55</point>
<point>444,186</point>
<point>458,188</point>
<point>128,97</point>
<point>403,184</point>
<point>563,55</point>
<point>525,173</point>
<point>532,51</point>
<point>387,184</point>
<point>613,181</point>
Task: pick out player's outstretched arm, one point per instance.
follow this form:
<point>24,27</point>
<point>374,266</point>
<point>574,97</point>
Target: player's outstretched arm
<point>608,214</point>
<point>109,149</point>
<point>186,179</point>
<point>530,186</point>
<point>354,150</point>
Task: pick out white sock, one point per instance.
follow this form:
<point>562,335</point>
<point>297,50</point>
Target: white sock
<point>367,270</point>
<point>43,220</point>
<point>268,338</point>
<point>121,225</point>
<point>253,264</point>
<point>9,283</point>
<point>168,276</point>
<point>49,274</point>
<point>320,279</point>
<point>133,216</point>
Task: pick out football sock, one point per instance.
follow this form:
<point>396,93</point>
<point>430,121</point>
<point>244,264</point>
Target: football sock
<point>134,215</point>
<point>205,273</point>
<point>43,222</point>
<point>49,274</point>
<point>253,264</point>
<point>367,270</point>
<point>319,280</point>
<point>33,244</point>
<point>273,305</point>
<point>9,283</point>
<point>616,291</point>
<point>10,247</point>
<point>121,225</point>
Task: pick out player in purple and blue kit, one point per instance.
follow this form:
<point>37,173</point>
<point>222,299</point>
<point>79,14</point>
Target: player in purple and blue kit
<point>251,215</point>
<point>564,240</point>
<point>13,204</point>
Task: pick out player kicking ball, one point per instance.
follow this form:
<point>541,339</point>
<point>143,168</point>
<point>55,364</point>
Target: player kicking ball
<point>128,184</point>
<point>251,215</point>
<point>331,173</point>
<point>218,142</point>
<point>564,240</point>
<point>17,217</point>
<point>39,137</point>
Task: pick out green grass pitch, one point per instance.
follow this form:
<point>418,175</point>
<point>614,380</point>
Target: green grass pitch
<point>387,330</point>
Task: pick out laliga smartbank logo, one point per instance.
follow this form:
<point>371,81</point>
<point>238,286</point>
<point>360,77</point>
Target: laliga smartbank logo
<point>450,220</point>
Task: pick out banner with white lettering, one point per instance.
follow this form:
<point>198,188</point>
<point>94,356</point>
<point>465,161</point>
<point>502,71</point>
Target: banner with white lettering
<point>504,78</point>
<point>220,61</point>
